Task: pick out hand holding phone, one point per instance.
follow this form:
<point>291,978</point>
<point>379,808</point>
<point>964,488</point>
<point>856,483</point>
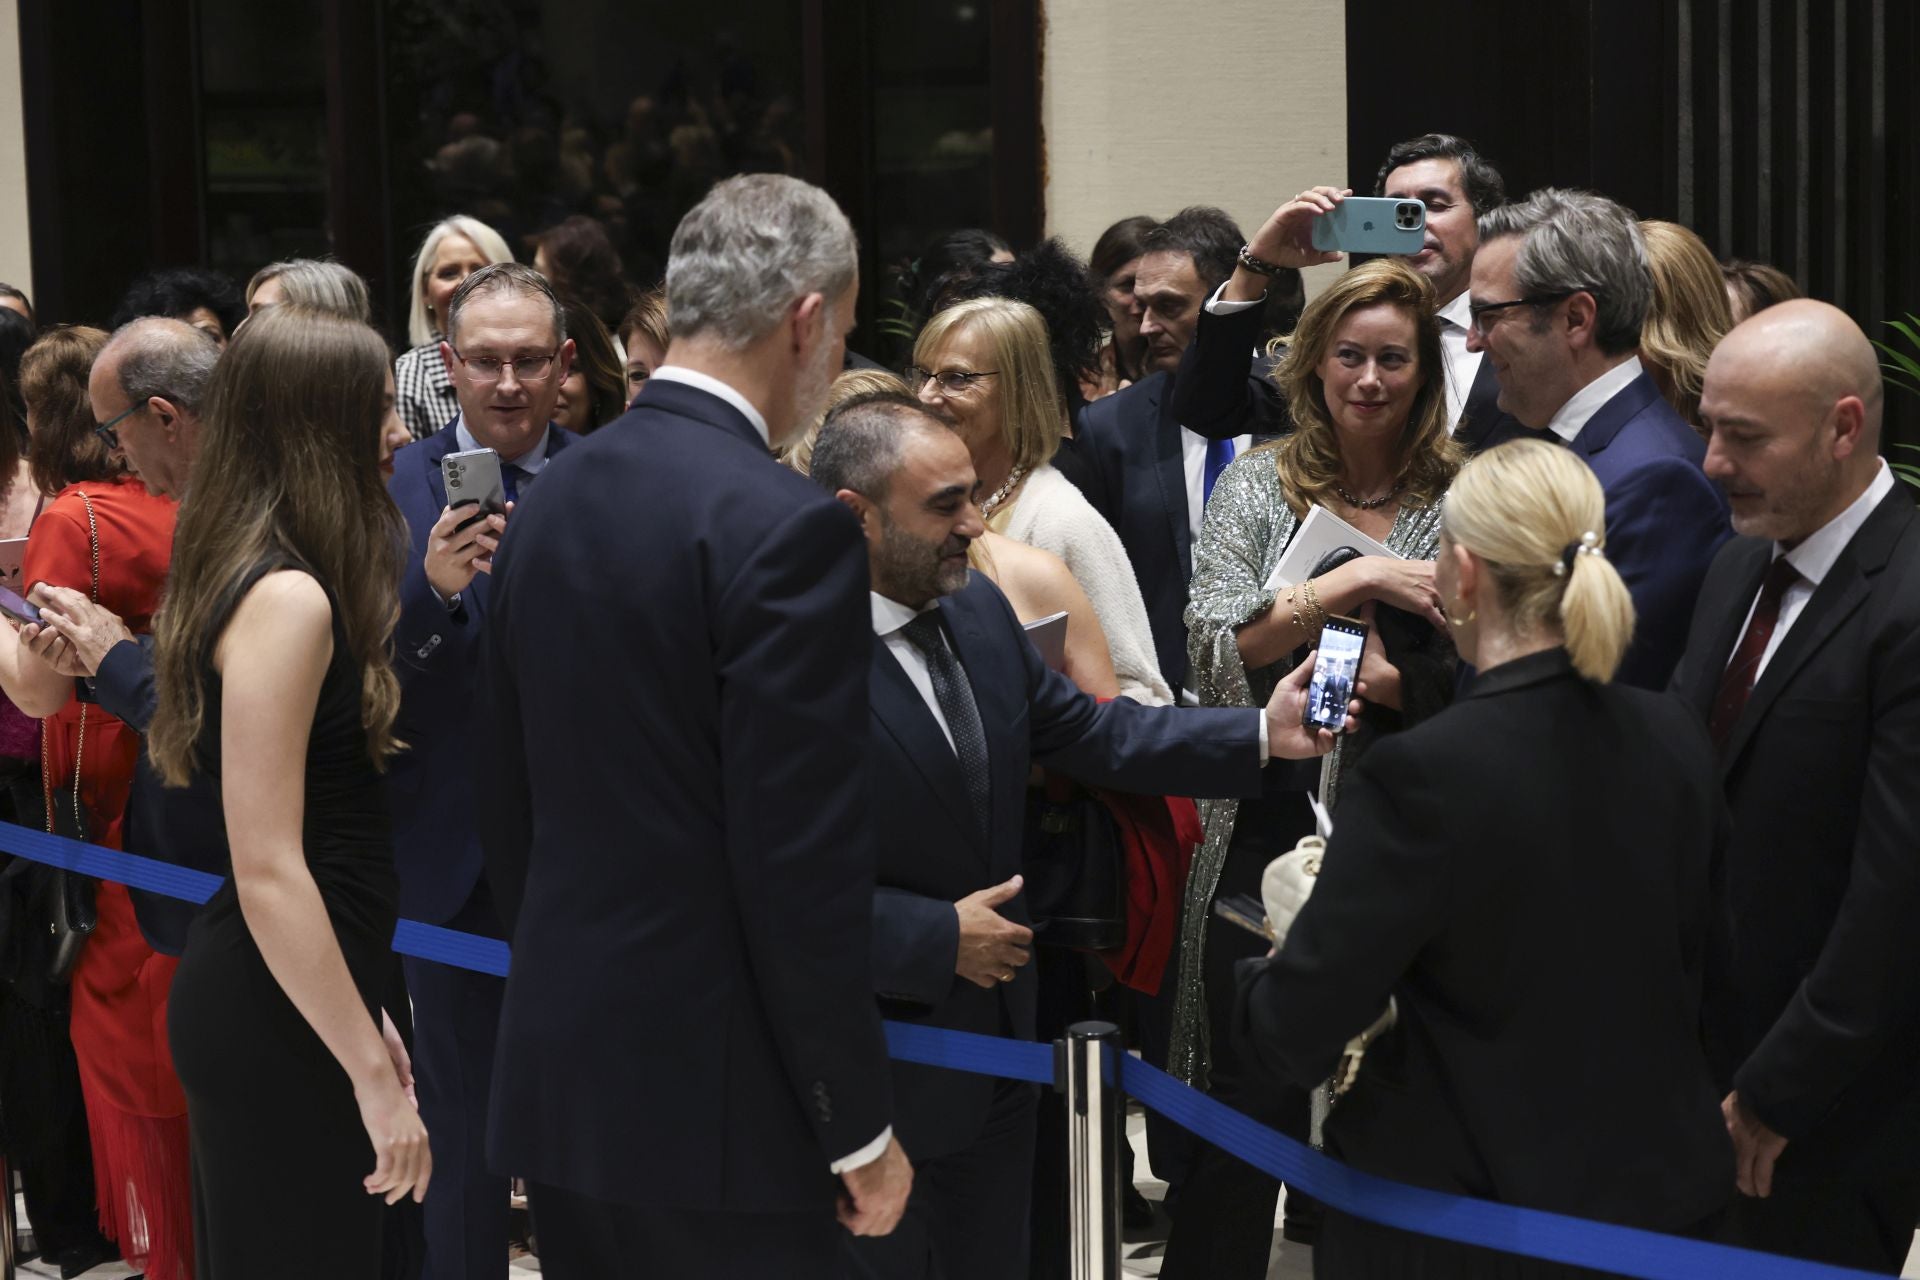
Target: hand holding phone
<point>1286,238</point>
<point>18,607</point>
<point>1290,734</point>
<point>1336,673</point>
<point>473,480</point>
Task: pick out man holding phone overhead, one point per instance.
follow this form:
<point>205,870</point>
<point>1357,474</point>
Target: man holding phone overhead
<point>507,348</point>
<point>1457,185</point>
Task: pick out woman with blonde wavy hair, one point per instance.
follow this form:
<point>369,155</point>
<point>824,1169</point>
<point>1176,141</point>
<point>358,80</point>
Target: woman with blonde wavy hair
<point>1527,879</point>
<point>1365,384</point>
<point>1687,317</point>
<point>984,367</point>
<point>275,681</point>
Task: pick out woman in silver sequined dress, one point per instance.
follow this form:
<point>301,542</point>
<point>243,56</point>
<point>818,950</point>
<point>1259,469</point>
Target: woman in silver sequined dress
<point>1365,386</point>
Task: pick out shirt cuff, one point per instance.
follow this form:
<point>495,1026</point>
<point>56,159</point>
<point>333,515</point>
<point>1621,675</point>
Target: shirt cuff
<point>865,1155</point>
<point>1265,753</point>
<point>1219,306</point>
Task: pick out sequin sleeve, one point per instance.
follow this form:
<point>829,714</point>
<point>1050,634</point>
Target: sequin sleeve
<point>1247,528</point>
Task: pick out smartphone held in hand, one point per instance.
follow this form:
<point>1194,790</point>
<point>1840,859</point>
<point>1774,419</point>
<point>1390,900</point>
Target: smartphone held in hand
<point>473,478</point>
<point>17,607</point>
<point>1372,224</point>
<point>1335,672</point>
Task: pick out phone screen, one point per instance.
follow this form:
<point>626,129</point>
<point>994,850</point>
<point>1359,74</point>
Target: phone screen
<point>17,608</point>
<point>1334,672</point>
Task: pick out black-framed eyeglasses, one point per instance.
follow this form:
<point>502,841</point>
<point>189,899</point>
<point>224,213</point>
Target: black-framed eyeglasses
<point>1477,311</point>
<point>525,368</point>
<point>109,430</point>
<point>952,381</point>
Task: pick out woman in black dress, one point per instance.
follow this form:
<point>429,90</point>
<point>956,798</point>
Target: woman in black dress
<point>1527,875</point>
<point>274,682</point>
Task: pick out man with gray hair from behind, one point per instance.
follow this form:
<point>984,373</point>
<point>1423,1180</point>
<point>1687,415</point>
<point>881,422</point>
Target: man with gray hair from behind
<point>673,764</point>
<point>1560,288</point>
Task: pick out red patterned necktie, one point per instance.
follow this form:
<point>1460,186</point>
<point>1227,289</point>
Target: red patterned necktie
<point>1741,672</point>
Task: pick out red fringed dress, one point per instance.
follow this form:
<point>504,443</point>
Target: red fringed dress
<point>136,1113</point>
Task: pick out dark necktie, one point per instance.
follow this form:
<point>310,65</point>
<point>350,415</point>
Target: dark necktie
<point>1744,669</point>
<point>511,479</point>
<point>954,693</point>
<point>1219,454</point>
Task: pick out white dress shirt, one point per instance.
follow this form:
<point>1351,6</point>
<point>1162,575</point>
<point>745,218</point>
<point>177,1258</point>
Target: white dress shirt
<point>890,617</point>
<point>1814,558</point>
<point>532,462</point>
<point>1462,365</point>
<point>1193,457</point>
<point>713,386</point>
<point>1584,403</point>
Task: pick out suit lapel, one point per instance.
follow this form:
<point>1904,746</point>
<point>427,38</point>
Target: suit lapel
<point>900,709</point>
<point>1616,413</point>
<point>1170,468</point>
<point>1840,593</point>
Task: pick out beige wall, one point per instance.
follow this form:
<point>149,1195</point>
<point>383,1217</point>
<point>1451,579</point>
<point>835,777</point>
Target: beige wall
<point>1150,105</point>
<point>16,265</point>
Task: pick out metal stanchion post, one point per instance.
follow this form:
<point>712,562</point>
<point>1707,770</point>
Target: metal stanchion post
<point>6,1218</point>
<point>1095,1130</point>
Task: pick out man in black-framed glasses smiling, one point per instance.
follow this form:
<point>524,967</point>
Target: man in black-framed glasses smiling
<point>1560,288</point>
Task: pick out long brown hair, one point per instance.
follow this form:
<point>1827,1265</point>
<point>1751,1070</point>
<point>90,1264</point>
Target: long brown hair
<point>288,466</point>
<point>1309,458</point>
<point>64,449</point>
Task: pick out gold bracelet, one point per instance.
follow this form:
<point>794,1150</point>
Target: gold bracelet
<point>1319,613</point>
<point>1294,605</point>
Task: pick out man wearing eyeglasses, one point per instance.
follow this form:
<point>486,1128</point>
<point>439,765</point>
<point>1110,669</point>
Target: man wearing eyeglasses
<point>1561,285</point>
<point>507,348</point>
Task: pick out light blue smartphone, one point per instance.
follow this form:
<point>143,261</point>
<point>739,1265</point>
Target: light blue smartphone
<point>1372,224</point>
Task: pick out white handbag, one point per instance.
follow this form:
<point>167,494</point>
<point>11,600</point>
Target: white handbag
<point>1284,889</point>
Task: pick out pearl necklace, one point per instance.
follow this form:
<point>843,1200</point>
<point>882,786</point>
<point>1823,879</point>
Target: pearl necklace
<point>1367,504</point>
<point>1001,494</point>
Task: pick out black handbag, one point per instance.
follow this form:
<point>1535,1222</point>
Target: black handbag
<point>67,899</point>
<point>1075,867</point>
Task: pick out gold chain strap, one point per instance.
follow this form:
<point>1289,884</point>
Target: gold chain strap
<point>80,745</point>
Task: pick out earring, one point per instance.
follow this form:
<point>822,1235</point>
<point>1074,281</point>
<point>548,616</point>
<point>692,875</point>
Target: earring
<point>1455,621</point>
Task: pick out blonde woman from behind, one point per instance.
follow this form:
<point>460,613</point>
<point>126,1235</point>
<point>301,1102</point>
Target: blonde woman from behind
<point>1527,875</point>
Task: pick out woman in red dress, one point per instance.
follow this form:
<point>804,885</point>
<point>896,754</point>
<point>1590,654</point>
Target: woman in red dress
<point>136,1113</point>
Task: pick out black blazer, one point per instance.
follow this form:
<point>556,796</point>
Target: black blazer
<point>673,806</point>
<point>1483,424</point>
<point>1818,1020</point>
<point>1224,388</point>
<point>1528,875</point>
<point>1127,461</point>
<point>931,852</point>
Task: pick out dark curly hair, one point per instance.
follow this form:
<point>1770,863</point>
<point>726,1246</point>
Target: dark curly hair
<point>934,278</point>
<point>177,292</point>
<point>1051,280</point>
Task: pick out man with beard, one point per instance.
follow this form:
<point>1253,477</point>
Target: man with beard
<point>691,1074</point>
<point>1804,662</point>
<point>961,705</point>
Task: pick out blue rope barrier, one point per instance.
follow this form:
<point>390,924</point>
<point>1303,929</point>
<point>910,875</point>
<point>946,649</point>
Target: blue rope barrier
<point>1531,1233</point>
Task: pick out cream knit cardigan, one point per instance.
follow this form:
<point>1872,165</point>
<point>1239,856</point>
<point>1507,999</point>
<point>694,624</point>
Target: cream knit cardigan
<point>1052,514</point>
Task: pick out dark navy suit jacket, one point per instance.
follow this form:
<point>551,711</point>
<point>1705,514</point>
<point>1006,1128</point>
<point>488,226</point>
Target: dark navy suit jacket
<point>1665,519</point>
<point>437,657</point>
<point>674,809</point>
<point>931,851</point>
